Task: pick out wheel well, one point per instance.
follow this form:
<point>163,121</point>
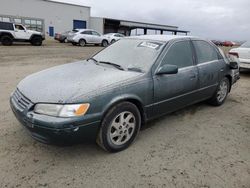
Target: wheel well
<point>35,36</point>
<point>6,34</point>
<point>104,40</point>
<point>229,77</point>
<point>136,102</point>
<point>83,39</point>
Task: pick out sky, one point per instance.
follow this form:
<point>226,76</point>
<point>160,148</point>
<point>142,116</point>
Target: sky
<point>210,19</point>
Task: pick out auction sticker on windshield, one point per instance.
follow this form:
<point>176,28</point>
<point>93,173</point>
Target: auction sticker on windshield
<point>152,45</point>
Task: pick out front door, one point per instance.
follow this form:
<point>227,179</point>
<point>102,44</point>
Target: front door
<point>20,32</point>
<point>172,92</point>
<point>51,31</point>
<point>96,37</point>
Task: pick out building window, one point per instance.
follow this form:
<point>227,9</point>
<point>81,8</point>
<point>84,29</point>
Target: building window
<point>4,19</point>
<point>17,20</point>
<point>33,25</point>
<point>39,22</point>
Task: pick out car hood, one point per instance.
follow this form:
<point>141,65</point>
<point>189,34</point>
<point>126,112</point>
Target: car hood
<point>62,84</point>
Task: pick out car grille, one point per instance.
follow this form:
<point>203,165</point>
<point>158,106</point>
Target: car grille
<point>20,100</point>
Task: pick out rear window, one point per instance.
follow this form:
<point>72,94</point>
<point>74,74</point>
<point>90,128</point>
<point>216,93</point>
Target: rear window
<point>6,26</point>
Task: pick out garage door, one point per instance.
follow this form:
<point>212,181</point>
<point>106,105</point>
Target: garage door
<point>79,24</point>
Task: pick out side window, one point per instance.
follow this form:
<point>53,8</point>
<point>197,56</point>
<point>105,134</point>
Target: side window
<point>179,54</point>
<point>205,52</point>
<point>19,27</point>
<point>6,26</point>
<point>86,32</point>
<point>95,33</point>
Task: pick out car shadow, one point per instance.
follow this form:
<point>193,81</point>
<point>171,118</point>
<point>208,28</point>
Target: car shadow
<point>90,142</point>
<point>245,72</point>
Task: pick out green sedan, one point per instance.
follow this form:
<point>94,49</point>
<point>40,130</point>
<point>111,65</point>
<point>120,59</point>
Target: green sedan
<point>112,94</point>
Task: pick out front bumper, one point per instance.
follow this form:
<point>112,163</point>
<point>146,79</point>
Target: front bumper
<point>47,129</point>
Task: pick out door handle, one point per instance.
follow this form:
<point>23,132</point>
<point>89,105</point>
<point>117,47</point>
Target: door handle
<point>193,76</point>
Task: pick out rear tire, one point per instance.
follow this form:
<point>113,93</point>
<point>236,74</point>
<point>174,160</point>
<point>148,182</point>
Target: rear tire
<point>119,127</point>
<point>221,93</point>
<point>36,41</point>
<point>82,42</point>
<point>6,40</point>
<point>113,41</point>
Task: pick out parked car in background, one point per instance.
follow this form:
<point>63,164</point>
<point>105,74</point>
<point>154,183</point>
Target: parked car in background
<point>243,53</point>
<point>10,32</point>
<point>113,37</point>
<point>62,37</point>
<point>83,37</point>
<point>228,44</point>
<point>217,42</point>
<point>113,93</point>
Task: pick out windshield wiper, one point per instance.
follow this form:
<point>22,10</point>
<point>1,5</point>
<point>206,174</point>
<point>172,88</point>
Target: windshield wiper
<point>91,58</point>
<point>106,62</point>
<point>113,64</point>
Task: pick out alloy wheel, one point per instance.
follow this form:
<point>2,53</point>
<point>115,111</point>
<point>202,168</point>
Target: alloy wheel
<point>222,92</point>
<point>122,128</point>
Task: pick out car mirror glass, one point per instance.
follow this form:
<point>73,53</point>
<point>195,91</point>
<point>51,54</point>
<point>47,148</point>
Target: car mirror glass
<point>168,69</point>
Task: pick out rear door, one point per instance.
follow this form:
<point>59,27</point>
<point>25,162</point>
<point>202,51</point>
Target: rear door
<point>97,39</point>
<point>87,35</point>
<point>172,92</point>
<point>210,67</point>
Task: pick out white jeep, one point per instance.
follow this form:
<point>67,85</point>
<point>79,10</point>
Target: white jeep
<point>10,32</point>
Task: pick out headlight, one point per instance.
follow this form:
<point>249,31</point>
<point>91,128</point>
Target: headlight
<point>58,110</point>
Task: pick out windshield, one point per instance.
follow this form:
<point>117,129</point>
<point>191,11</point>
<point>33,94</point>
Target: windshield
<point>246,45</point>
<point>131,53</point>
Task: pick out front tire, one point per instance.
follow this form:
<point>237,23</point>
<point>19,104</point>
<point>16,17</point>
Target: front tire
<point>36,41</point>
<point>221,93</point>
<point>105,43</point>
<point>119,127</point>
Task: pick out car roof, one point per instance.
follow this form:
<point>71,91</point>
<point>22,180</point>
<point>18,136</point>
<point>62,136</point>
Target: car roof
<point>162,38</point>
<point>84,29</point>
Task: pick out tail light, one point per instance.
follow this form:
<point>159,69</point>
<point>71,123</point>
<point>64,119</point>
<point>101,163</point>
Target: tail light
<point>234,54</point>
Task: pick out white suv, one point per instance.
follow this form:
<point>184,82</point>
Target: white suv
<point>87,36</point>
<point>243,54</point>
<point>113,37</point>
<point>10,32</point>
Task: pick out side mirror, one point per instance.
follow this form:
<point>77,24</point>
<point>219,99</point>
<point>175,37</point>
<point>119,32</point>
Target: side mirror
<point>233,65</point>
<point>168,69</point>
